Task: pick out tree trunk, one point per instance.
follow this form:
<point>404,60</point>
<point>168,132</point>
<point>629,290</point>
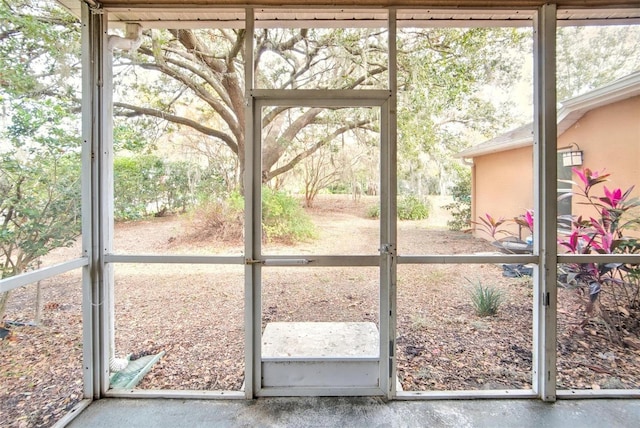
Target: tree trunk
<point>4,299</point>
<point>38,318</point>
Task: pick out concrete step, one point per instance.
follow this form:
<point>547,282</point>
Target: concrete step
<point>320,354</point>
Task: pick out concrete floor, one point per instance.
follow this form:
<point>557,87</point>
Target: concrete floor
<point>358,412</point>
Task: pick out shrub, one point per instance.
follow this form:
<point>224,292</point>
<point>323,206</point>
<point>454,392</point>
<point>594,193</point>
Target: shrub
<point>373,211</point>
<point>460,208</point>
<point>412,208</point>
<point>409,208</point>
<point>607,231</point>
<point>221,219</point>
<point>283,219</point>
<point>486,300</point>
<point>135,185</point>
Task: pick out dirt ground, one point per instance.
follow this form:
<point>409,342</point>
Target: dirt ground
<point>194,313</point>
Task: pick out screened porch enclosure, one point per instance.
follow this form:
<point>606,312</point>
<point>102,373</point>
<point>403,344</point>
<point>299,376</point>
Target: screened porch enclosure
<point>369,328</point>
<point>258,260</point>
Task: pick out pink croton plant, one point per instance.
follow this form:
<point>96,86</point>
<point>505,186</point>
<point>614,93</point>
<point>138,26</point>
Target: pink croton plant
<point>606,232</point>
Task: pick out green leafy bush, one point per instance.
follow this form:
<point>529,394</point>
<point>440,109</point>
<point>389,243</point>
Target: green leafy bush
<point>412,208</point>
<point>373,211</point>
<point>409,208</point>
<point>486,300</point>
<point>221,219</point>
<point>283,219</point>
<point>460,208</point>
<point>147,184</point>
<point>135,185</point>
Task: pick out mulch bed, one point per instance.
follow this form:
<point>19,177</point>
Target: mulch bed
<point>195,314</point>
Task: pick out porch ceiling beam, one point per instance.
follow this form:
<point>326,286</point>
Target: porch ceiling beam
<point>180,4</point>
<point>411,13</point>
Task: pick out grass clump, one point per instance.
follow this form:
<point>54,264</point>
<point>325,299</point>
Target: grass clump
<point>486,299</point>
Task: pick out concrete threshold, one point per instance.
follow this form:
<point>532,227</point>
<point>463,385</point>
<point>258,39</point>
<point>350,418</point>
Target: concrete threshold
<point>357,412</point>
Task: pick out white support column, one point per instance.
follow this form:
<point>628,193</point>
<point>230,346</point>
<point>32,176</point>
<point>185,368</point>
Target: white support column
<point>96,129</point>
<point>252,305</point>
<point>393,206</point>
<point>89,105</point>
<point>545,183</point>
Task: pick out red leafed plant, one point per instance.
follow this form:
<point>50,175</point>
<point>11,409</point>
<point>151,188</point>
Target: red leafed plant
<point>606,231</point>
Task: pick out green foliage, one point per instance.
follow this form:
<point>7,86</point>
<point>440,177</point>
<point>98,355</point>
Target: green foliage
<point>608,230</point>
<point>147,184</point>
<point>340,188</point>
<point>373,211</point>
<point>486,300</point>
<point>460,208</point>
<point>39,153</point>
<point>136,186</point>
<point>39,183</point>
<point>221,218</point>
<point>592,56</point>
<point>283,219</point>
<point>39,207</point>
<point>441,73</point>
<point>412,208</point>
<point>39,48</point>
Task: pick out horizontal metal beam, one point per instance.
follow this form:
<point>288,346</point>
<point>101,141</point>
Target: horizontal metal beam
<point>188,394</point>
<point>568,394</point>
<point>322,98</point>
<point>469,258</point>
<point>599,258</point>
<point>9,284</point>
<point>465,394</point>
<point>154,259</point>
<point>319,261</point>
<point>319,392</point>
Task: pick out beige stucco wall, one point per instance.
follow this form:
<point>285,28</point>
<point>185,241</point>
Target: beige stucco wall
<point>503,184</point>
<point>609,137</point>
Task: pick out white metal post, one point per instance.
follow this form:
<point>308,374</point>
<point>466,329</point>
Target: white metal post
<point>387,250</point>
<point>90,43</point>
<point>106,200</point>
<point>96,198</point>
<point>545,182</point>
<point>393,190</point>
<point>251,275</point>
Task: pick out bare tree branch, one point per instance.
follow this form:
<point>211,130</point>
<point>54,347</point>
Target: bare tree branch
<point>137,111</point>
<point>268,175</point>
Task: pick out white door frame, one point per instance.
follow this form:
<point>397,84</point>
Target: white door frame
<point>253,243</point>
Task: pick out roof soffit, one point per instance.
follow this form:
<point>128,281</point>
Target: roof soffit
<point>570,112</point>
<point>321,13</point>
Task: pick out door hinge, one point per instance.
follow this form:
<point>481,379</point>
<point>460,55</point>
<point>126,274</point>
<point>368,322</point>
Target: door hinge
<point>545,299</point>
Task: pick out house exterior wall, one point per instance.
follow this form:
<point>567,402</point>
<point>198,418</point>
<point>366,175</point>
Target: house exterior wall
<point>503,185</point>
<point>610,139</point>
